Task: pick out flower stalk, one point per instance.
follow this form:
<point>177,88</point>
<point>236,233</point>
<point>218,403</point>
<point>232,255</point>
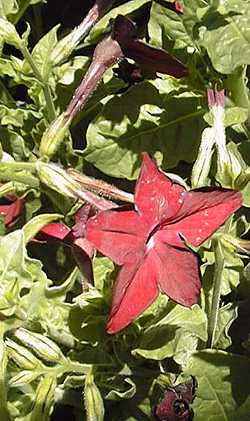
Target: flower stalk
<point>213,316</point>
<point>67,45</point>
<point>121,43</point>
<point>106,54</point>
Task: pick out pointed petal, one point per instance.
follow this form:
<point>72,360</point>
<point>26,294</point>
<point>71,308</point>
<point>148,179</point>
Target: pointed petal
<point>154,59</point>
<point>178,274</point>
<point>54,230</point>
<point>203,212</point>
<point>117,233</point>
<point>135,289</point>
<point>123,31</point>
<point>150,58</point>
<point>156,196</point>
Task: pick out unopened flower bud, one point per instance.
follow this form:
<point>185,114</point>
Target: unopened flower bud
<point>93,400</point>
<point>22,356</point>
<point>44,399</point>
<point>54,135</point>
<point>62,182</point>
<point>234,244</point>
<point>24,377</point>
<point>42,346</point>
<point>57,179</point>
<point>66,45</point>
<point>202,164</point>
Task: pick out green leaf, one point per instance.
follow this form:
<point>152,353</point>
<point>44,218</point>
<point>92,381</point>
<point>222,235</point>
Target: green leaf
<point>14,273</point>
<point>12,171</point>
<point>123,393</point>
<point>41,53</point>
<point>233,115</point>
<point>226,316</point>
<point>8,7</point>
<point>9,34</point>
<point>223,386</point>
<point>167,126</point>
<point>226,36</point>
<point>17,116</point>
<point>165,25</point>
<point>165,337</point>
<point>13,144</point>
<point>103,267</point>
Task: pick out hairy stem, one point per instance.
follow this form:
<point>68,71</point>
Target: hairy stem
<point>213,316</point>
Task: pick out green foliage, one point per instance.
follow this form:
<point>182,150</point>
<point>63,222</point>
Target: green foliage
<point>54,349</point>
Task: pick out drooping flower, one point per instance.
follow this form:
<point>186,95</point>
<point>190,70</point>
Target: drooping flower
<point>176,402</point>
<point>150,241</point>
<point>148,57</point>
<point>122,43</point>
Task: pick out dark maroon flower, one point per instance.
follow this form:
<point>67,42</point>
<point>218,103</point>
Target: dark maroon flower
<point>175,404</point>
<point>149,241</point>
<point>129,72</point>
<point>149,58</point>
<point>122,43</point>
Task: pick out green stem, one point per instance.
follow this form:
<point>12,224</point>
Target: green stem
<point>213,317</point>
<point>21,12</point>
<point>45,86</point>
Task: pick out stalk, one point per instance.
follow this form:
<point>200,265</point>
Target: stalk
<point>45,86</point>
<point>213,316</point>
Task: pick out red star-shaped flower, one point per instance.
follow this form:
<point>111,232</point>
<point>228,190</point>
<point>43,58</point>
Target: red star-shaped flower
<point>148,241</point>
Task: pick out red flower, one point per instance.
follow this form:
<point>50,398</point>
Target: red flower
<point>11,212</point>
<point>148,241</point>
<point>178,7</point>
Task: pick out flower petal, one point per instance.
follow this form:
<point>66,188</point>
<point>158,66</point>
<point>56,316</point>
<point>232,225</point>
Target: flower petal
<point>155,59</point>
<point>135,289</point>
<point>149,57</point>
<point>156,196</point>
<point>203,212</point>
<point>54,230</point>
<point>12,211</point>
<point>117,233</point>
<point>178,273</point>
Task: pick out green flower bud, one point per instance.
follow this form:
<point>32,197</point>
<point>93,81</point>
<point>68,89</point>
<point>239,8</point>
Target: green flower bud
<point>44,399</point>
<point>66,45</point>
<point>54,135</point>
<point>234,244</point>
<point>202,164</point>
<point>42,346</point>
<point>24,377</point>
<point>93,400</point>
<point>57,179</point>
<point>64,183</point>
<point>22,356</point>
